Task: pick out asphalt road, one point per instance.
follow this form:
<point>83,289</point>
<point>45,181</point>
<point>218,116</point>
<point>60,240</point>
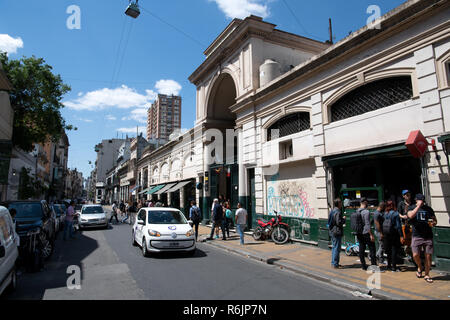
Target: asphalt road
<point>112,269</point>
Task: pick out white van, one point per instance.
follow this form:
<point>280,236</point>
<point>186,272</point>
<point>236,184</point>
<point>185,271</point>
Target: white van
<point>8,251</point>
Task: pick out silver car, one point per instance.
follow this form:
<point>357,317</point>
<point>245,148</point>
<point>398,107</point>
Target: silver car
<point>8,251</point>
<point>93,216</point>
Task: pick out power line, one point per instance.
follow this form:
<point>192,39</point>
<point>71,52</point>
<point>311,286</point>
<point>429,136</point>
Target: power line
<point>124,51</point>
<point>174,27</point>
<point>118,51</point>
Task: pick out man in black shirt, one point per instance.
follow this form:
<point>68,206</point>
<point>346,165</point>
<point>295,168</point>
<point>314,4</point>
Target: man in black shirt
<point>422,219</point>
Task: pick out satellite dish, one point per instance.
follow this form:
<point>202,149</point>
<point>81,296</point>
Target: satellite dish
<point>133,9</point>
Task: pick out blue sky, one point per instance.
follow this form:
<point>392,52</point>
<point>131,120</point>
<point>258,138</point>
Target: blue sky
<point>116,65</point>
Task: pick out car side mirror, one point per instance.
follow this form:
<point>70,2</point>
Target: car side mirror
<point>141,222</point>
<point>2,251</point>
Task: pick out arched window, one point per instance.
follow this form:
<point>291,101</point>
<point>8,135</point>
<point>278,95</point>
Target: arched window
<point>290,124</point>
<point>372,96</point>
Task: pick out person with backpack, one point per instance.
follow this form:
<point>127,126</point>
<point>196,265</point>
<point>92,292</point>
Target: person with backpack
<point>336,223</point>
<point>378,219</point>
<point>391,233</point>
<point>361,223</point>
<point>423,219</point>
<point>195,214</point>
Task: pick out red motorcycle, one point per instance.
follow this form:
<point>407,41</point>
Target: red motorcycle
<point>274,228</point>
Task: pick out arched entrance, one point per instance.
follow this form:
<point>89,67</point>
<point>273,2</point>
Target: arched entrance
<point>223,176</point>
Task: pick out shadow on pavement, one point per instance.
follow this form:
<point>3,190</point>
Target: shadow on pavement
<point>32,286</point>
<point>177,255</point>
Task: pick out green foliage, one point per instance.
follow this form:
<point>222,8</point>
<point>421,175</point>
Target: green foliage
<point>36,100</point>
<point>29,186</point>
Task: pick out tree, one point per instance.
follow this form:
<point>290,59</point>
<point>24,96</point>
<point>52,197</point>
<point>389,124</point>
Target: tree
<point>36,100</point>
<point>30,187</point>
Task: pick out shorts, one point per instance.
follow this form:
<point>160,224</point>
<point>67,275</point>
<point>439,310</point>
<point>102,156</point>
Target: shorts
<point>418,242</point>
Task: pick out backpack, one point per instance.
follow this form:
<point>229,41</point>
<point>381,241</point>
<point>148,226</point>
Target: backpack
<point>335,230</point>
<point>388,224</point>
<point>357,222</point>
<point>196,214</point>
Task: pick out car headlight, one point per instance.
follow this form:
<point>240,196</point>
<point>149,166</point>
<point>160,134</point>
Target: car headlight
<point>190,233</point>
<point>154,233</point>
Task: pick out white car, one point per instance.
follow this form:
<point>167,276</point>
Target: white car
<point>92,216</point>
<point>8,251</point>
<point>163,229</point>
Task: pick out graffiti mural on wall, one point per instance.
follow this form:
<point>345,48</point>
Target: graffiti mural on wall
<point>289,199</point>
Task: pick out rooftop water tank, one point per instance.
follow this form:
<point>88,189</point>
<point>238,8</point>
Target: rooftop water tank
<point>268,71</point>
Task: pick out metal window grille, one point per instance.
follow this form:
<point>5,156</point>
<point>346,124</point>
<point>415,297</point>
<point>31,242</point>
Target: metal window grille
<point>290,124</point>
<point>373,96</point>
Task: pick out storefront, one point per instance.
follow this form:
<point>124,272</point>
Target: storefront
<point>376,174</point>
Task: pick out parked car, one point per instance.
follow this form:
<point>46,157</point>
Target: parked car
<point>60,210</point>
<point>35,222</point>
<point>163,229</point>
<point>93,216</point>
<point>9,252</point>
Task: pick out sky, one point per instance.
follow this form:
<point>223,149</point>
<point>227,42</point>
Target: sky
<point>116,65</point>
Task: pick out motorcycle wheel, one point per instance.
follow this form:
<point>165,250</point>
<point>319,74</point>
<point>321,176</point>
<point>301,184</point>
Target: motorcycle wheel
<point>348,251</point>
<point>280,235</point>
<point>257,233</point>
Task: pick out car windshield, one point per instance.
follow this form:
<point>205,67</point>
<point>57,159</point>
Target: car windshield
<point>166,217</point>
<point>26,210</point>
<point>92,210</point>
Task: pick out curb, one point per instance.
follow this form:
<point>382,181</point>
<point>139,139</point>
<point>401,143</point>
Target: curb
<point>378,294</point>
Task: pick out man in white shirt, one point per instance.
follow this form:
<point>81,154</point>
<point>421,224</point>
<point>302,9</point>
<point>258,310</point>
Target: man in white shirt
<point>241,221</point>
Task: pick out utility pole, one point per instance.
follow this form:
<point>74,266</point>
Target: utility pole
<point>331,30</point>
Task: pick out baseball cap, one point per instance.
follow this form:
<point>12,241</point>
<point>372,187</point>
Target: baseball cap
<point>405,192</point>
<point>420,196</point>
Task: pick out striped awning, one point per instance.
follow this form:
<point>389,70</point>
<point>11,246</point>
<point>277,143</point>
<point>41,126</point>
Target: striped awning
<point>167,187</point>
<point>178,186</point>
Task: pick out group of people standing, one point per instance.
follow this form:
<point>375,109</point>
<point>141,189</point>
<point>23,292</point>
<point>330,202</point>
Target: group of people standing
<point>408,224</point>
<point>222,218</point>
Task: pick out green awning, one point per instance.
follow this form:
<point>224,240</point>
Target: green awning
<point>155,189</point>
<point>391,151</point>
<point>444,138</point>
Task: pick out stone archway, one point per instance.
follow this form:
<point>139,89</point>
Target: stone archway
<point>222,96</point>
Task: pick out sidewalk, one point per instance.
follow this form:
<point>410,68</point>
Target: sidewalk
<point>316,263</point>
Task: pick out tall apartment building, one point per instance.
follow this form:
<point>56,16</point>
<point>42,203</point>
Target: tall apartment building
<point>164,117</point>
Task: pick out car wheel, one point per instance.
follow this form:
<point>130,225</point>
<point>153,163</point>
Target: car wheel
<point>46,246</point>
<point>12,286</point>
<point>145,252</point>
<point>133,240</point>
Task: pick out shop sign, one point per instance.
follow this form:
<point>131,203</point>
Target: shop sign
<point>417,144</point>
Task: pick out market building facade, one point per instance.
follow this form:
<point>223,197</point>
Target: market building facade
<point>303,122</point>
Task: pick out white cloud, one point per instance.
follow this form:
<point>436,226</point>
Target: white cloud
<point>122,98</point>
<point>132,130</point>
<point>168,87</point>
<point>9,44</point>
<point>84,120</point>
<point>138,115</point>
<point>110,117</point>
<point>243,8</point>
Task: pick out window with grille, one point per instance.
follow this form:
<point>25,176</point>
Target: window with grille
<point>372,96</point>
<point>292,123</point>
